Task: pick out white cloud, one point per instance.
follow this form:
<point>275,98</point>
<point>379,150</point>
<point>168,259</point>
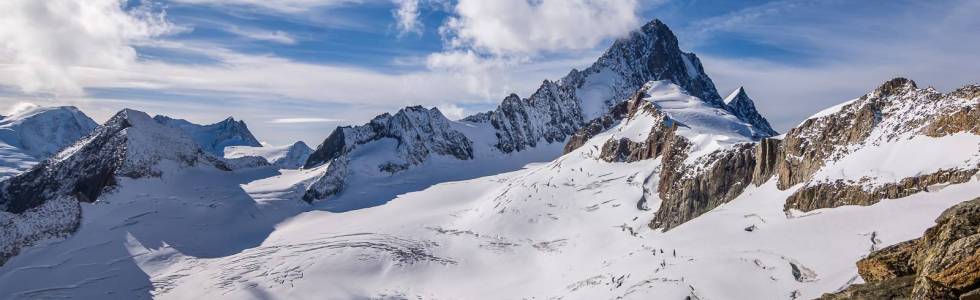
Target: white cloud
<point>522,27</point>
<point>276,36</point>
<point>304,120</point>
<point>452,111</point>
<point>20,107</point>
<point>407,17</point>
<point>846,58</point>
<point>281,6</point>
<point>41,41</point>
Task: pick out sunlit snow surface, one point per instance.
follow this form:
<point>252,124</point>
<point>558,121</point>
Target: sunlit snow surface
<point>558,229</point>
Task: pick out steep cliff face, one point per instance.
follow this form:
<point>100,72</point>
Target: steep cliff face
<point>739,103</point>
<point>943,264</point>
<point>689,190</point>
<point>831,152</point>
<point>558,109</point>
<point>417,133</point>
<point>213,138</point>
<point>707,153</point>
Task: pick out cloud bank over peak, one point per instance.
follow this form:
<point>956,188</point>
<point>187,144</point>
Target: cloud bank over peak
<point>521,27</point>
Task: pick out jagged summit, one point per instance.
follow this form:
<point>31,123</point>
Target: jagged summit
<point>130,144</point>
<point>896,86</point>
<point>739,103</point>
<point>558,108</point>
<point>653,53</point>
<point>213,138</point>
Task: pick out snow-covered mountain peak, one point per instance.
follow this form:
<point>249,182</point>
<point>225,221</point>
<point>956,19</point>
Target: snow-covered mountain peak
<point>213,138</point>
<point>653,53</point>
<point>43,131</point>
<point>697,118</point>
<point>739,103</point>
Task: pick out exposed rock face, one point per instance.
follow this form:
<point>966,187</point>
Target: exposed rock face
<point>898,109</point>
<point>690,190</point>
<point>943,264</point>
<point>52,219</point>
<point>742,106</point>
<point>840,193</point>
<point>550,115</point>
<point>558,109</point>
<point>130,144</point>
<point>213,138</point>
<point>600,124</point>
<point>419,133</point>
<point>661,137</point>
<point>332,181</point>
<point>766,156</point>
<point>889,262</point>
<point>39,202</point>
<point>894,288</point>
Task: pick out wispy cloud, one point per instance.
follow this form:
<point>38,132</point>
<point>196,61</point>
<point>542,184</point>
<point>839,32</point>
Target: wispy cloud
<point>521,27</point>
<point>275,36</point>
<point>282,6</point>
<point>304,120</point>
<point>407,17</point>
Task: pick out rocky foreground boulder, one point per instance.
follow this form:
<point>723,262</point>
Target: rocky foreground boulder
<point>943,264</point>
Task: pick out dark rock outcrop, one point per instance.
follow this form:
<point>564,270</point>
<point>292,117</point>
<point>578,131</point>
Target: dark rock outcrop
<point>896,110</point>
<point>596,126</point>
<point>690,190</point>
<point>417,131</point>
<point>766,156</point>
<point>739,104</point>
<point>943,264</point>
<point>840,193</point>
<point>557,110</point>
<point>43,202</point>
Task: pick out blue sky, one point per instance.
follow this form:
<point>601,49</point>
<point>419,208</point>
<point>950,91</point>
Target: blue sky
<point>294,69</point>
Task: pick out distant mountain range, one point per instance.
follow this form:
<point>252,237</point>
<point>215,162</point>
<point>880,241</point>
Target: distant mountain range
<point>630,179</point>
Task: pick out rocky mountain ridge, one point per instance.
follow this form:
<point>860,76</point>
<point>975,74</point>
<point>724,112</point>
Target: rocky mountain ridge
<point>896,116</point>
<point>289,156</point>
<point>558,109</point>
<point>130,144</point>
<point>213,138</point>
<point>943,264</point>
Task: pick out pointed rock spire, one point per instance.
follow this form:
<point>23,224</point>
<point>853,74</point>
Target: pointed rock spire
<point>739,104</point>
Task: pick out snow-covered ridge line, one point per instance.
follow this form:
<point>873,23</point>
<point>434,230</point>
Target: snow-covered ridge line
<point>130,144</point>
<point>31,135</point>
<point>213,138</point>
<point>289,157</point>
<point>553,113</point>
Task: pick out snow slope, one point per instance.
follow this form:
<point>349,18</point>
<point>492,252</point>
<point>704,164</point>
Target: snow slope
<point>569,228</point>
<point>288,157</point>
<point>33,134</point>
